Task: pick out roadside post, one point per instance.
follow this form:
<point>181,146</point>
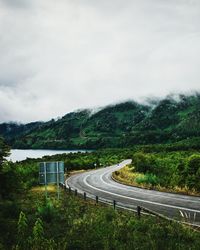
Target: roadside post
<point>84,196</point>
<point>114,204</point>
<point>51,173</point>
<point>45,179</point>
<point>57,179</point>
<point>139,211</point>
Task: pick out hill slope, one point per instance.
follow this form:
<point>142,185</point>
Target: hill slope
<point>119,125</point>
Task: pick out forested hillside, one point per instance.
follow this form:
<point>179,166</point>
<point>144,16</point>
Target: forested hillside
<point>121,125</point>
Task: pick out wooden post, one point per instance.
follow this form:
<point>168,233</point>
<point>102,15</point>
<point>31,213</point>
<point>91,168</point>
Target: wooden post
<point>139,211</point>
<point>84,195</point>
<point>114,204</point>
<point>97,199</point>
<point>75,192</point>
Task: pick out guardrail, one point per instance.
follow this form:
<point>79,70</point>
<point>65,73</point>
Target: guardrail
<point>139,210</point>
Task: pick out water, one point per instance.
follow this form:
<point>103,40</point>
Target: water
<point>22,154</point>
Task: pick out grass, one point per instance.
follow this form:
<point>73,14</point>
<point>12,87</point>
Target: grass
<point>41,189</point>
<point>72,223</point>
<point>127,176</point>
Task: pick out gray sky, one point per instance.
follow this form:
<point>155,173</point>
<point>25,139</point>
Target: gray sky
<point>57,56</point>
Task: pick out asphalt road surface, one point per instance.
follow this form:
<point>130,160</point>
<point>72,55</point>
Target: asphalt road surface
<point>100,183</point>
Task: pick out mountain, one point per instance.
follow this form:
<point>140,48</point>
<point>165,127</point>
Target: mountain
<point>11,131</point>
<point>121,125</point>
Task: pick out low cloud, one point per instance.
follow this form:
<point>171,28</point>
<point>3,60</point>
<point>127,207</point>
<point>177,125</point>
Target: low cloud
<point>59,56</point>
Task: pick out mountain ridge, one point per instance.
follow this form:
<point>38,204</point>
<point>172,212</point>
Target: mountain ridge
<point>119,125</point>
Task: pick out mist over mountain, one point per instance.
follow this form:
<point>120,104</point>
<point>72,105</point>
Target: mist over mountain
<point>172,119</point>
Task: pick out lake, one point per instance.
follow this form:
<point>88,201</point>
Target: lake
<point>22,154</point>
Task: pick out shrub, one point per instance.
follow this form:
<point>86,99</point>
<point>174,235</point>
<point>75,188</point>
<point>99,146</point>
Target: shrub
<point>193,172</point>
<point>149,179</point>
<point>47,211</point>
<point>143,163</point>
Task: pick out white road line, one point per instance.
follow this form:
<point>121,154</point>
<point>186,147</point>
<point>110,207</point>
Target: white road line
<point>135,191</point>
<point>186,215</point>
<point>181,213</point>
<point>136,199</point>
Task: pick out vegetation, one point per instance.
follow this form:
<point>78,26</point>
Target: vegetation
<point>74,224</point>
<point>123,125</point>
<point>29,221</point>
<point>176,171</point>
<point>104,228</point>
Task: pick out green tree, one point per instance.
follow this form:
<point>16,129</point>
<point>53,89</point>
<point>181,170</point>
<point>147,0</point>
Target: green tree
<point>38,232</point>
<point>4,152</point>
<point>10,177</point>
<point>193,164</point>
<point>10,180</point>
<point>193,172</point>
<point>143,163</point>
<point>39,242</point>
<point>47,211</point>
<point>22,227</point>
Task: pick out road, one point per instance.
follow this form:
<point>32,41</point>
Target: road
<point>100,183</point>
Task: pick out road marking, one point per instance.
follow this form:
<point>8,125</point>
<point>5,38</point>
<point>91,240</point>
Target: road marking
<point>186,215</point>
<point>131,198</point>
<point>181,213</point>
<point>135,191</point>
<point>136,199</point>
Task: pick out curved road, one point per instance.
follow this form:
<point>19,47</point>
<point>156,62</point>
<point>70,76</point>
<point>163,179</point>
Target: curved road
<point>100,183</point>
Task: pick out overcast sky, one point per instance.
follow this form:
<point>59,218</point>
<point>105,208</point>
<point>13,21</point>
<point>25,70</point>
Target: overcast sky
<point>57,56</point>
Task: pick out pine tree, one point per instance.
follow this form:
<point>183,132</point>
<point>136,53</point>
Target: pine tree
<point>38,232</point>
<point>39,242</point>
<point>22,227</point>
<point>4,151</point>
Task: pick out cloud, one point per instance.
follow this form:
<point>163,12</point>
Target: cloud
<point>58,56</point>
<point>16,3</point>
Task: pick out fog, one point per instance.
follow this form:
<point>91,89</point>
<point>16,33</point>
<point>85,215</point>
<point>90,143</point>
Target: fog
<point>59,56</point>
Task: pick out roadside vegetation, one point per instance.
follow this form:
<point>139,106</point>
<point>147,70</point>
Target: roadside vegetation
<point>72,223</point>
<point>177,171</point>
<point>29,221</point>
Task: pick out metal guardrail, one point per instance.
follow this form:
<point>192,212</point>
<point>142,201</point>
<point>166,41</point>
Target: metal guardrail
<point>139,210</point>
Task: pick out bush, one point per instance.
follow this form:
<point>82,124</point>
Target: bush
<point>193,172</point>
<point>150,179</point>
<point>47,212</point>
<point>193,165</point>
<point>142,162</point>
